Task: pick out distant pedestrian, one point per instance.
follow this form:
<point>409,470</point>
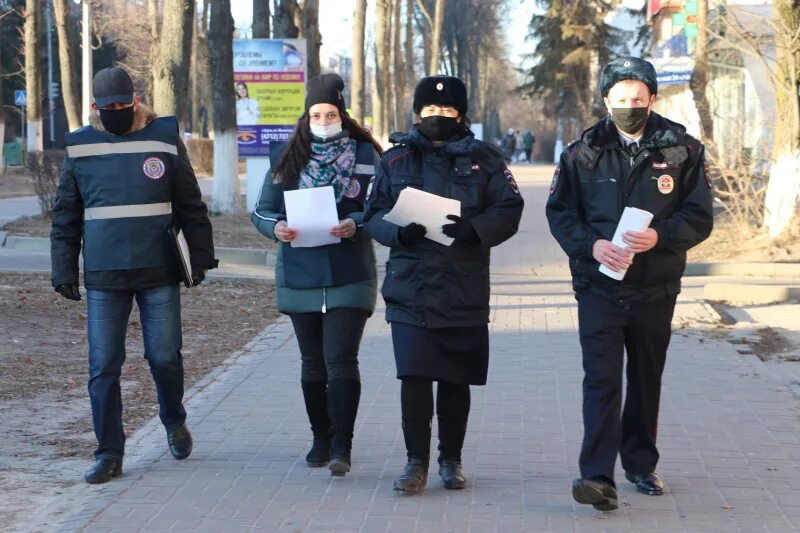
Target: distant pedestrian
<point>528,141</point>
<point>509,145</point>
<point>633,157</point>
<point>126,179</point>
<point>437,297</point>
<point>327,291</point>
<point>519,147</point>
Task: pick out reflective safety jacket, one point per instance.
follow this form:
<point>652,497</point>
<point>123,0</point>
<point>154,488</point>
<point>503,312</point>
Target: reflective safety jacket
<point>118,196</point>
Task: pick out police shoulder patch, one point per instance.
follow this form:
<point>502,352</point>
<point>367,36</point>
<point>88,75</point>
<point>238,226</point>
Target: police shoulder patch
<point>511,181</point>
<point>554,183</point>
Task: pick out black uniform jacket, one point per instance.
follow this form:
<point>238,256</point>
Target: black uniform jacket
<point>597,178</point>
<point>431,285</point>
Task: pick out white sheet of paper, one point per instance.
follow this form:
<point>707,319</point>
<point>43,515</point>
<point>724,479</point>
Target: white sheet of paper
<point>633,219</point>
<point>430,210</point>
<point>313,213</point>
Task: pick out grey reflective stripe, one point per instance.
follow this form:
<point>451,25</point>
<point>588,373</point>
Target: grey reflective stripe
<point>127,211</point>
<point>365,169</point>
<point>130,147</point>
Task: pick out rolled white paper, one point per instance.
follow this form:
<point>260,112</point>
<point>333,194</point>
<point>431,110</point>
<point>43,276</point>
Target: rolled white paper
<point>633,219</point>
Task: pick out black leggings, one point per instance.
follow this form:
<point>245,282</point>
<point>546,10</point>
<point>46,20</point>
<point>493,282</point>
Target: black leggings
<point>329,343</point>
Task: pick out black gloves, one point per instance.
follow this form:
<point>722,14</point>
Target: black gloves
<point>69,291</point>
<point>198,275</point>
<point>461,230</point>
<point>412,234</point>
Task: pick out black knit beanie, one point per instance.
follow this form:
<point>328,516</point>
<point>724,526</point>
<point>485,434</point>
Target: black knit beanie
<point>441,90</point>
<point>325,89</point>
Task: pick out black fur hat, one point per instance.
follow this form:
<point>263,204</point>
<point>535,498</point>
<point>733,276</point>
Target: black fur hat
<point>441,90</point>
<point>325,89</point>
<point>628,68</point>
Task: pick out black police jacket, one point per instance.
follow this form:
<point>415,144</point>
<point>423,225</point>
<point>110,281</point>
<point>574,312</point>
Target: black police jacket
<point>597,178</point>
<point>117,197</point>
<point>431,285</point>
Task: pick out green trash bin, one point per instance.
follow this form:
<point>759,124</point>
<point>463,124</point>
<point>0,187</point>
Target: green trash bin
<point>13,154</point>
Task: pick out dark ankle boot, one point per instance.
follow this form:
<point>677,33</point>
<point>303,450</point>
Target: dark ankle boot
<point>315,394</point>
<point>452,474</point>
<point>104,470</point>
<point>343,398</point>
<point>414,477</point>
<point>417,434</point>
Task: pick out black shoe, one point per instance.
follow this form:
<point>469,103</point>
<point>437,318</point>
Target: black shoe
<point>598,493</point>
<point>414,477</point>
<point>452,474</point>
<point>104,470</point>
<point>320,452</point>
<point>180,441</point>
<point>650,484</point>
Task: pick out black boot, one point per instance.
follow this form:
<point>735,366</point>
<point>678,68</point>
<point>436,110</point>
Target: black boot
<point>451,441</point>
<point>343,397</point>
<point>417,434</point>
<point>315,395</point>
<point>105,469</point>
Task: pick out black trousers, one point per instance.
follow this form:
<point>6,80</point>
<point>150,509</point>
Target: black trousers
<point>608,329</point>
<point>452,411</point>
<point>329,343</point>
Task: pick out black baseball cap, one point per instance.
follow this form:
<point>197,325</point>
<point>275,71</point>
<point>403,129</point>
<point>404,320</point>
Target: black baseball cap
<point>112,86</point>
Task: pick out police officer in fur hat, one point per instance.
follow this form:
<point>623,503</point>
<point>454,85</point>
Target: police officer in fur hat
<point>437,296</point>
<point>632,157</point>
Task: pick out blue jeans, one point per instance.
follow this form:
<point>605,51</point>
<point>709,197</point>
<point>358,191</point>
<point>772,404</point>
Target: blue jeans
<point>108,313</point>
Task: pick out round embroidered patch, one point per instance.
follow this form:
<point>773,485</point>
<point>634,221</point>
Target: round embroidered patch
<point>666,184</point>
<point>353,188</point>
<point>153,168</point>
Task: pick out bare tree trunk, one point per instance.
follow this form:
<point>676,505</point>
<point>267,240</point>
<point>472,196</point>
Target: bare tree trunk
<point>309,30</point>
<point>399,70</point>
<point>154,17</point>
<point>783,189</point>
<point>2,113</point>
<point>33,74</point>
<point>170,68</point>
<point>283,22</point>
<point>409,45</point>
<point>357,82</point>
<point>226,196</point>
<point>436,41</point>
<point>260,19</point>
<point>699,80</point>
<point>383,64</point>
<point>68,65</point>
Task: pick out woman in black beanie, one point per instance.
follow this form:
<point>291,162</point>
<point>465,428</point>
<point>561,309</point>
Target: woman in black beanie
<point>327,291</point>
<point>437,297</point>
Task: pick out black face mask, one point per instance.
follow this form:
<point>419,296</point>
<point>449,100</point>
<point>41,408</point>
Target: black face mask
<point>629,119</point>
<point>439,128</point>
<point>117,121</point>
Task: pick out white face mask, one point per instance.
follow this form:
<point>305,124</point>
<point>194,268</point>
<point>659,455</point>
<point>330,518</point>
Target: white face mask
<point>326,132</point>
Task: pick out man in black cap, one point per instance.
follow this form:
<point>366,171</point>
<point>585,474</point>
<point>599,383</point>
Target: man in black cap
<point>633,157</point>
<point>125,181</point>
<point>437,296</point>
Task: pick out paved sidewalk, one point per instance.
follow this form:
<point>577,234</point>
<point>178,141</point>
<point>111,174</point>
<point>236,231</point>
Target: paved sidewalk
<point>13,208</point>
<point>729,436</point>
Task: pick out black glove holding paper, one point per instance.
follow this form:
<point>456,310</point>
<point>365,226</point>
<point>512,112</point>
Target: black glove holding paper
<point>461,230</point>
<point>412,234</point>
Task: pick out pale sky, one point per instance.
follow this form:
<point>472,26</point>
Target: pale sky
<point>336,19</point>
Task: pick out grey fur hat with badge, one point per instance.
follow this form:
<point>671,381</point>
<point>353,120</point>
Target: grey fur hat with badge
<point>441,90</point>
<point>628,68</point>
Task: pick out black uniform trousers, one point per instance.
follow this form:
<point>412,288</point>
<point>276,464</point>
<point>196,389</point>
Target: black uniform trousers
<point>608,329</point>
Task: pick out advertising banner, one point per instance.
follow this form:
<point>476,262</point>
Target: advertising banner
<point>270,77</point>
